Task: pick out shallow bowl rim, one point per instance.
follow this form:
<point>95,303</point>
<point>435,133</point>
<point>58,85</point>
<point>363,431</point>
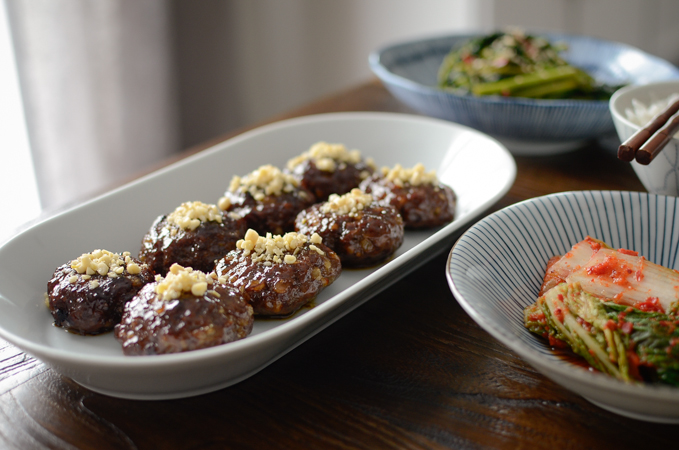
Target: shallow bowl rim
<point>384,73</point>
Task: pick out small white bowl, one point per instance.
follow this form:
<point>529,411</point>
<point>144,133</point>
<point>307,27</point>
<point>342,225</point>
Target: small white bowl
<point>495,270</point>
<point>661,176</point>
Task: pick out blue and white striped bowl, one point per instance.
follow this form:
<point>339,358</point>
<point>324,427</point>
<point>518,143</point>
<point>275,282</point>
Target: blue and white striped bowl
<point>526,126</point>
<point>496,268</point>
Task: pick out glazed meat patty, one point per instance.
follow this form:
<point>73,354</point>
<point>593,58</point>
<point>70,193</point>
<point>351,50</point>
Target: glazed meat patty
<point>422,201</point>
<point>361,232</point>
<point>154,324</point>
<point>87,295</point>
<point>267,199</point>
<point>330,169</point>
<point>191,239</point>
<point>273,213</point>
<point>280,274</point>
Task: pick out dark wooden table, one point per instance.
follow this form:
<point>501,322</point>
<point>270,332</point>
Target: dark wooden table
<point>408,369</point>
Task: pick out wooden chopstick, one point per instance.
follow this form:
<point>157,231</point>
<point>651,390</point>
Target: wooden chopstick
<point>650,137</point>
<point>658,141</point>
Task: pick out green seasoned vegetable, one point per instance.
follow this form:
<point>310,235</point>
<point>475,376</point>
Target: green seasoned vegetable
<point>628,343</point>
<point>518,65</point>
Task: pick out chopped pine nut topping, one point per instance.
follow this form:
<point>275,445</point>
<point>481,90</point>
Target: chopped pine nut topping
<point>415,176</point>
<point>274,248</point>
<point>317,250</point>
<point>213,277</point>
<point>326,156</point>
<point>179,280</point>
<point>189,215</point>
<point>104,263</point>
<point>267,180</point>
<point>224,203</point>
<point>350,203</point>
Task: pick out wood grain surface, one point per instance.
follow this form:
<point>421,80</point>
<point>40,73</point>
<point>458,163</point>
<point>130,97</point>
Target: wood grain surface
<point>408,369</point>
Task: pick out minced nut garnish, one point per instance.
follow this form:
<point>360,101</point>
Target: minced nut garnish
<point>104,263</point>
<point>316,249</point>
<point>224,203</point>
<point>275,248</point>
<point>212,277</point>
<point>415,176</point>
<point>326,156</point>
<point>179,280</point>
<point>267,180</point>
<point>350,203</point>
<point>190,215</point>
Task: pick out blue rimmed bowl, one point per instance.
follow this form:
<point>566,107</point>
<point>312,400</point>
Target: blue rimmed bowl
<point>525,126</point>
<point>495,270</point>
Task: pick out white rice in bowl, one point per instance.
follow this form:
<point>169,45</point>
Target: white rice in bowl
<point>640,114</point>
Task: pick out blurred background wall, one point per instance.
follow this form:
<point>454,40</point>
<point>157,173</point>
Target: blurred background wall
<point>242,61</point>
<point>112,87</point>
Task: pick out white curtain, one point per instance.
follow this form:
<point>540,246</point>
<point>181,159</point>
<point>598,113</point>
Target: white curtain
<point>98,90</point>
<point>112,86</point>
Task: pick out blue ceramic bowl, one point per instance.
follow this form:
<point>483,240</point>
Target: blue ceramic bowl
<point>496,268</point>
<point>526,126</point>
